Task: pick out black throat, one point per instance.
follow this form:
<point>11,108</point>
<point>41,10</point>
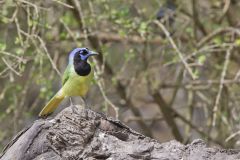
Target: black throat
<point>81,67</point>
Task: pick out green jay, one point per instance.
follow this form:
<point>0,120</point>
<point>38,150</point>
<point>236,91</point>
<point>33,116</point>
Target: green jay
<point>75,81</point>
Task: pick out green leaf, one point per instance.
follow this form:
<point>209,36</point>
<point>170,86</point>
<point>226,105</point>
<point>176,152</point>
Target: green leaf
<point>237,42</point>
<point>217,40</point>
<point>4,19</point>
<point>2,46</point>
<point>196,73</point>
<point>19,51</point>
<point>202,59</point>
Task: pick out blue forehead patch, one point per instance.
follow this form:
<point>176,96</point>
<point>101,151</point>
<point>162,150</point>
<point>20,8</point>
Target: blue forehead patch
<point>72,54</point>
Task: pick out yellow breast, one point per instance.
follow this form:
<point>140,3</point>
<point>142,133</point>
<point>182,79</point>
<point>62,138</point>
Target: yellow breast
<point>77,85</point>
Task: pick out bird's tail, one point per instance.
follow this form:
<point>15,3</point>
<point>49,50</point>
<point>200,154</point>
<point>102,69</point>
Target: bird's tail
<point>52,104</point>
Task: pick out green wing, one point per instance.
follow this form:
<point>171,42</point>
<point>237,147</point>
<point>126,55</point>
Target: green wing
<point>66,75</point>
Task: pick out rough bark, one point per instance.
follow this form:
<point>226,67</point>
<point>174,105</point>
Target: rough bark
<point>84,134</point>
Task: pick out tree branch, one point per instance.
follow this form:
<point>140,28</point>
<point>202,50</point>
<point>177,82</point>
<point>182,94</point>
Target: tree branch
<point>84,134</point>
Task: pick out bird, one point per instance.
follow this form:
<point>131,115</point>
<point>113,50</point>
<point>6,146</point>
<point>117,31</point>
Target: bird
<point>166,13</point>
<point>76,79</point>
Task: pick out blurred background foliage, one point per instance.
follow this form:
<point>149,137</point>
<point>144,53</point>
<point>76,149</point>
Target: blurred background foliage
<point>170,69</point>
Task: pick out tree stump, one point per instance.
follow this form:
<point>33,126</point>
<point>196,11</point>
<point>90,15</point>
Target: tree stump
<point>84,134</point>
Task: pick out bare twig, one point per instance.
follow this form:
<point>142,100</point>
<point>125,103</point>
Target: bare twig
<point>216,33</point>
<point>167,114</point>
<point>232,136</point>
<point>64,4</point>
<point>100,85</point>
<point>196,20</point>
<point>20,59</point>
<point>180,55</point>
<point>233,20</point>
<point>18,31</point>
<point>48,54</point>
<point>36,8</point>
<point>11,67</point>
<point>207,83</point>
<point>196,128</point>
<point>3,73</point>
<point>109,37</point>
<point>215,108</point>
<point>130,119</point>
<point>69,31</point>
<point>209,49</point>
<point>225,9</point>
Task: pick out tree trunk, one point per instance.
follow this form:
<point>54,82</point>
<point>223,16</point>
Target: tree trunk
<point>84,134</point>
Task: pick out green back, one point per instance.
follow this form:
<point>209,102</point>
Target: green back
<point>66,75</point>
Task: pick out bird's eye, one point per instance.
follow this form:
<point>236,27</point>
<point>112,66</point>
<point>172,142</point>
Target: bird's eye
<point>84,52</point>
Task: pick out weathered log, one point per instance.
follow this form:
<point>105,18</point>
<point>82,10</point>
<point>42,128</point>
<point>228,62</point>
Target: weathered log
<point>84,134</point>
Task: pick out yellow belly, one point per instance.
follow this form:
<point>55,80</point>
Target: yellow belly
<point>77,85</point>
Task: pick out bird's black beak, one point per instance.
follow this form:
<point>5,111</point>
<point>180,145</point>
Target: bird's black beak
<point>92,53</point>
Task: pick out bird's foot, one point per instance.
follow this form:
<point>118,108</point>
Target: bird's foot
<point>86,103</point>
<point>75,109</point>
<point>71,102</point>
